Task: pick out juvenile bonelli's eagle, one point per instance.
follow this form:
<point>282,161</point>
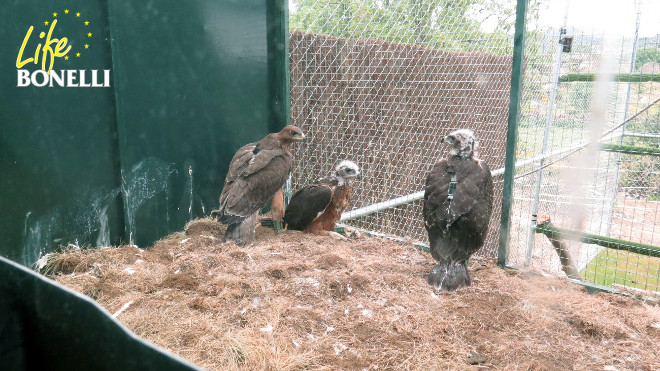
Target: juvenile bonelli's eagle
<point>256,173</point>
<point>317,207</point>
<point>457,208</point>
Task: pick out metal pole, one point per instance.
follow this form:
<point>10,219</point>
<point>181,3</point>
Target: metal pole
<point>277,23</point>
<point>406,199</point>
<point>623,129</point>
<point>512,130</point>
<point>546,135</point>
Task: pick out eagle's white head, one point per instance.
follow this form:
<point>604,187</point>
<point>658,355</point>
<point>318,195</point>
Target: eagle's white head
<point>348,170</point>
<point>463,143</point>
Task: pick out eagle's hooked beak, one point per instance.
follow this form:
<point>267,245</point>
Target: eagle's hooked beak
<point>302,136</point>
<point>359,176</point>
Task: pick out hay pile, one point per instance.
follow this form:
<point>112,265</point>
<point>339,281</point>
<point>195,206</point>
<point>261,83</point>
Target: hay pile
<point>294,301</point>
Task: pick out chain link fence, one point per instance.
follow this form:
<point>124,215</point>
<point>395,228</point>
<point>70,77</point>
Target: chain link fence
<point>381,82</point>
<point>602,197</point>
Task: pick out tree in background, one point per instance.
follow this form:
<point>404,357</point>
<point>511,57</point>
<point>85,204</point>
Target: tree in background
<point>645,55</point>
<point>442,24</point>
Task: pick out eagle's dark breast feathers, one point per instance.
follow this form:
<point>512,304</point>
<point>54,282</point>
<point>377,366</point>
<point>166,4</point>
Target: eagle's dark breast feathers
<point>457,227</point>
<point>255,173</point>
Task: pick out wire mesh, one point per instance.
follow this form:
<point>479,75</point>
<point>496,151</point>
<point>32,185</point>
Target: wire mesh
<point>381,82</point>
<point>622,178</point>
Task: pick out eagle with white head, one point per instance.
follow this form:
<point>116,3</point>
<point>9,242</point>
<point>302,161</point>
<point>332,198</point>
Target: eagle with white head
<point>457,207</point>
<point>317,207</point>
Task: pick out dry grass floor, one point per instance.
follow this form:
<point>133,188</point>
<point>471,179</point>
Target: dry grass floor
<point>299,302</point>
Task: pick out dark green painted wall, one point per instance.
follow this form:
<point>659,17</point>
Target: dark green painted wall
<point>46,326</point>
<point>191,83</point>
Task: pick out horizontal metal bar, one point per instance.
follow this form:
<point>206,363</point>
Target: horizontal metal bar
<point>402,200</point>
<point>631,150</point>
<point>642,135</point>
<point>622,77</point>
<point>611,243</point>
<point>367,210</point>
<point>594,288</point>
<point>394,202</point>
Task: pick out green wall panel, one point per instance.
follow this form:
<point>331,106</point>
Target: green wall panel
<point>192,88</point>
<point>59,175</point>
<point>190,83</point>
<point>45,326</point>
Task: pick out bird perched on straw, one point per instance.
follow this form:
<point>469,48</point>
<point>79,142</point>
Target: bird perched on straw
<point>457,208</point>
<point>256,175</point>
<point>317,207</point>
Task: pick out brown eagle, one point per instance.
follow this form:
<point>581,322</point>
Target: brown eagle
<point>317,207</point>
<point>457,208</point>
<point>256,174</point>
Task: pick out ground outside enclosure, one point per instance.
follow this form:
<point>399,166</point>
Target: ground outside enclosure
<point>300,302</point>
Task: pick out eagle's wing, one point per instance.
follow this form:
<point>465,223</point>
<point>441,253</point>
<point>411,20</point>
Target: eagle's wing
<point>436,204</point>
<point>306,205</point>
<point>482,212</point>
<point>458,227</point>
<point>474,192</point>
<point>253,177</point>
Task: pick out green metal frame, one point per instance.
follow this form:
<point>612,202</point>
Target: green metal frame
<point>632,150</point>
<point>622,77</point>
<point>512,130</point>
<point>611,243</point>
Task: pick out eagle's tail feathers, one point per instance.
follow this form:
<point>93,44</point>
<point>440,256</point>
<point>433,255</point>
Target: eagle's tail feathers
<point>449,276</point>
<point>243,232</point>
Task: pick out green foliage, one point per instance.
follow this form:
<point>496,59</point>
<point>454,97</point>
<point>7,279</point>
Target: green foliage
<point>649,123</point>
<point>442,24</point>
<point>624,268</point>
<point>640,175</point>
<point>647,55</point>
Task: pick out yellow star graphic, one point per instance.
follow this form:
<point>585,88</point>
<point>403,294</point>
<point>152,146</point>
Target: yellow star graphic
<point>54,14</point>
<point>89,34</point>
<point>78,14</point>
<point>66,11</point>
<point>86,46</point>
<point>86,23</point>
<point>46,23</point>
<point>66,57</point>
<point>77,54</point>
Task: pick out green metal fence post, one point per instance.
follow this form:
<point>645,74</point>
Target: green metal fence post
<point>512,130</point>
<point>278,72</point>
<point>278,63</point>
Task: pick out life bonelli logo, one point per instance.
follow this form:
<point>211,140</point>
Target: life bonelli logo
<point>51,48</point>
